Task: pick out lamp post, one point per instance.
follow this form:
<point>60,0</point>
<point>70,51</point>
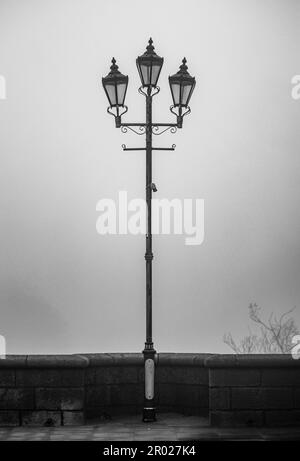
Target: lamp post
<point>182,85</point>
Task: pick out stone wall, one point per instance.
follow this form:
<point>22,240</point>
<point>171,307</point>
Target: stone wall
<point>115,384</point>
<point>69,390</point>
<point>42,390</point>
<point>254,390</point>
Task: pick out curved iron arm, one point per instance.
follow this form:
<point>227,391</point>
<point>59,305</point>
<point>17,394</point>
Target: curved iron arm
<point>125,128</point>
<point>141,91</point>
<point>188,111</point>
<point>155,129</point>
<point>144,93</point>
<point>117,114</point>
<point>179,114</point>
<point>157,88</point>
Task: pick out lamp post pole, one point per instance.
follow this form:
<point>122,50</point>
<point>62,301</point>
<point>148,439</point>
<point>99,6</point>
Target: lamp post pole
<point>182,85</point>
<point>149,351</point>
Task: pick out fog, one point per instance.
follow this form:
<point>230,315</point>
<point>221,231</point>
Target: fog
<point>67,289</point>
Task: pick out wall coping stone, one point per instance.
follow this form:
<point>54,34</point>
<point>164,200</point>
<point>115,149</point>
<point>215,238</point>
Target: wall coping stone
<point>136,359</point>
<point>44,361</point>
<point>162,358</point>
<point>252,361</point>
<point>101,359</point>
<point>13,361</point>
<point>114,359</point>
<point>182,359</point>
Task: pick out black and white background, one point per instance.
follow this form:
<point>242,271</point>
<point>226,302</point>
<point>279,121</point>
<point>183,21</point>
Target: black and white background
<point>63,287</point>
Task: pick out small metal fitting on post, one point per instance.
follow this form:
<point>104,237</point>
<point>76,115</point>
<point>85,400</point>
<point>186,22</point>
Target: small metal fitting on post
<point>148,256</point>
<point>152,187</point>
<point>179,121</point>
<point>118,121</point>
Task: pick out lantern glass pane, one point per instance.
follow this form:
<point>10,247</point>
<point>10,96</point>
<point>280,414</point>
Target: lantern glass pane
<point>155,73</point>
<point>111,93</point>
<point>175,88</point>
<point>146,73</point>
<point>186,89</point>
<point>121,90</point>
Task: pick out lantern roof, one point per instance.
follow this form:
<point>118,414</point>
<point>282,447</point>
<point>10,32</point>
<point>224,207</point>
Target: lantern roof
<point>182,73</point>
<point>114,72</point>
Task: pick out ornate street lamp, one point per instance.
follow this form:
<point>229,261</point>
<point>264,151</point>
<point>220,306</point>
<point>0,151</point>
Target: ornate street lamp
<point>115,86</point>
<point>149,66</point>
<point>182,85</point>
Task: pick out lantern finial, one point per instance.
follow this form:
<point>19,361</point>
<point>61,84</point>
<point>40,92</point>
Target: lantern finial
<point>183,68</point>
<point>114,67</point>
<point>150,47</point>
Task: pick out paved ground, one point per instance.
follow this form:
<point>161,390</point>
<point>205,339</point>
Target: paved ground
<point>168,427</point>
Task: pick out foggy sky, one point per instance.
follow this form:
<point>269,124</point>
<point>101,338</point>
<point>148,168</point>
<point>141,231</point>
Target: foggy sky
<point>66,289</point>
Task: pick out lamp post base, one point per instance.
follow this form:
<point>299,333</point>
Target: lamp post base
<point>149,410</point>
<point>149,415</point>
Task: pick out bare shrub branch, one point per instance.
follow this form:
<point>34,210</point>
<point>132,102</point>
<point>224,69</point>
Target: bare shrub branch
<point>273,336</point>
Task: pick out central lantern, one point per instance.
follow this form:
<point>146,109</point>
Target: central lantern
<point>149,66</point>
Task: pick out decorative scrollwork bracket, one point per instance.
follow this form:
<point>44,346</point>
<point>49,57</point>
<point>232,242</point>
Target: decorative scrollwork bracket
<point>141,128</point>
<point>179,114</point>
<point>159,129</point>
<point>117,114</point>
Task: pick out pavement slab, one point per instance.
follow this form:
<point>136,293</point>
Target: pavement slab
<point>169,427</point>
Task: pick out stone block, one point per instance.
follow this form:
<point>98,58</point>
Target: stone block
<point>166,394</point>
<point>141,375</point>
<point>260,398</point>
<point>13,361</point>
<point>190,395</point>
<point>59,398</point>
<point>281,377</point>
<point>249,418</point>
<point>182,395</point>
<point>127,394</point>
<point>50,377</point>
<point>98,396</point>
<point>182,375</point>
<point>57,361</point>
<point>219,398</point>
<point>297,398</point>
<point>90,378</point>
<point>115,359</point>
<point>7,378</point>
<point>16,398</point>
<point>107,413</point>
<point>283,418</point>
<point>236,418</point>
<point>221,418</point>
<point>73,418</point>
<point>116,375</point>
<point>41,418</point>
<point>221,377</point>
<point>9,418</point>
<point>175,359</point>
<point>119,410</point>
<point>183,410</point>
